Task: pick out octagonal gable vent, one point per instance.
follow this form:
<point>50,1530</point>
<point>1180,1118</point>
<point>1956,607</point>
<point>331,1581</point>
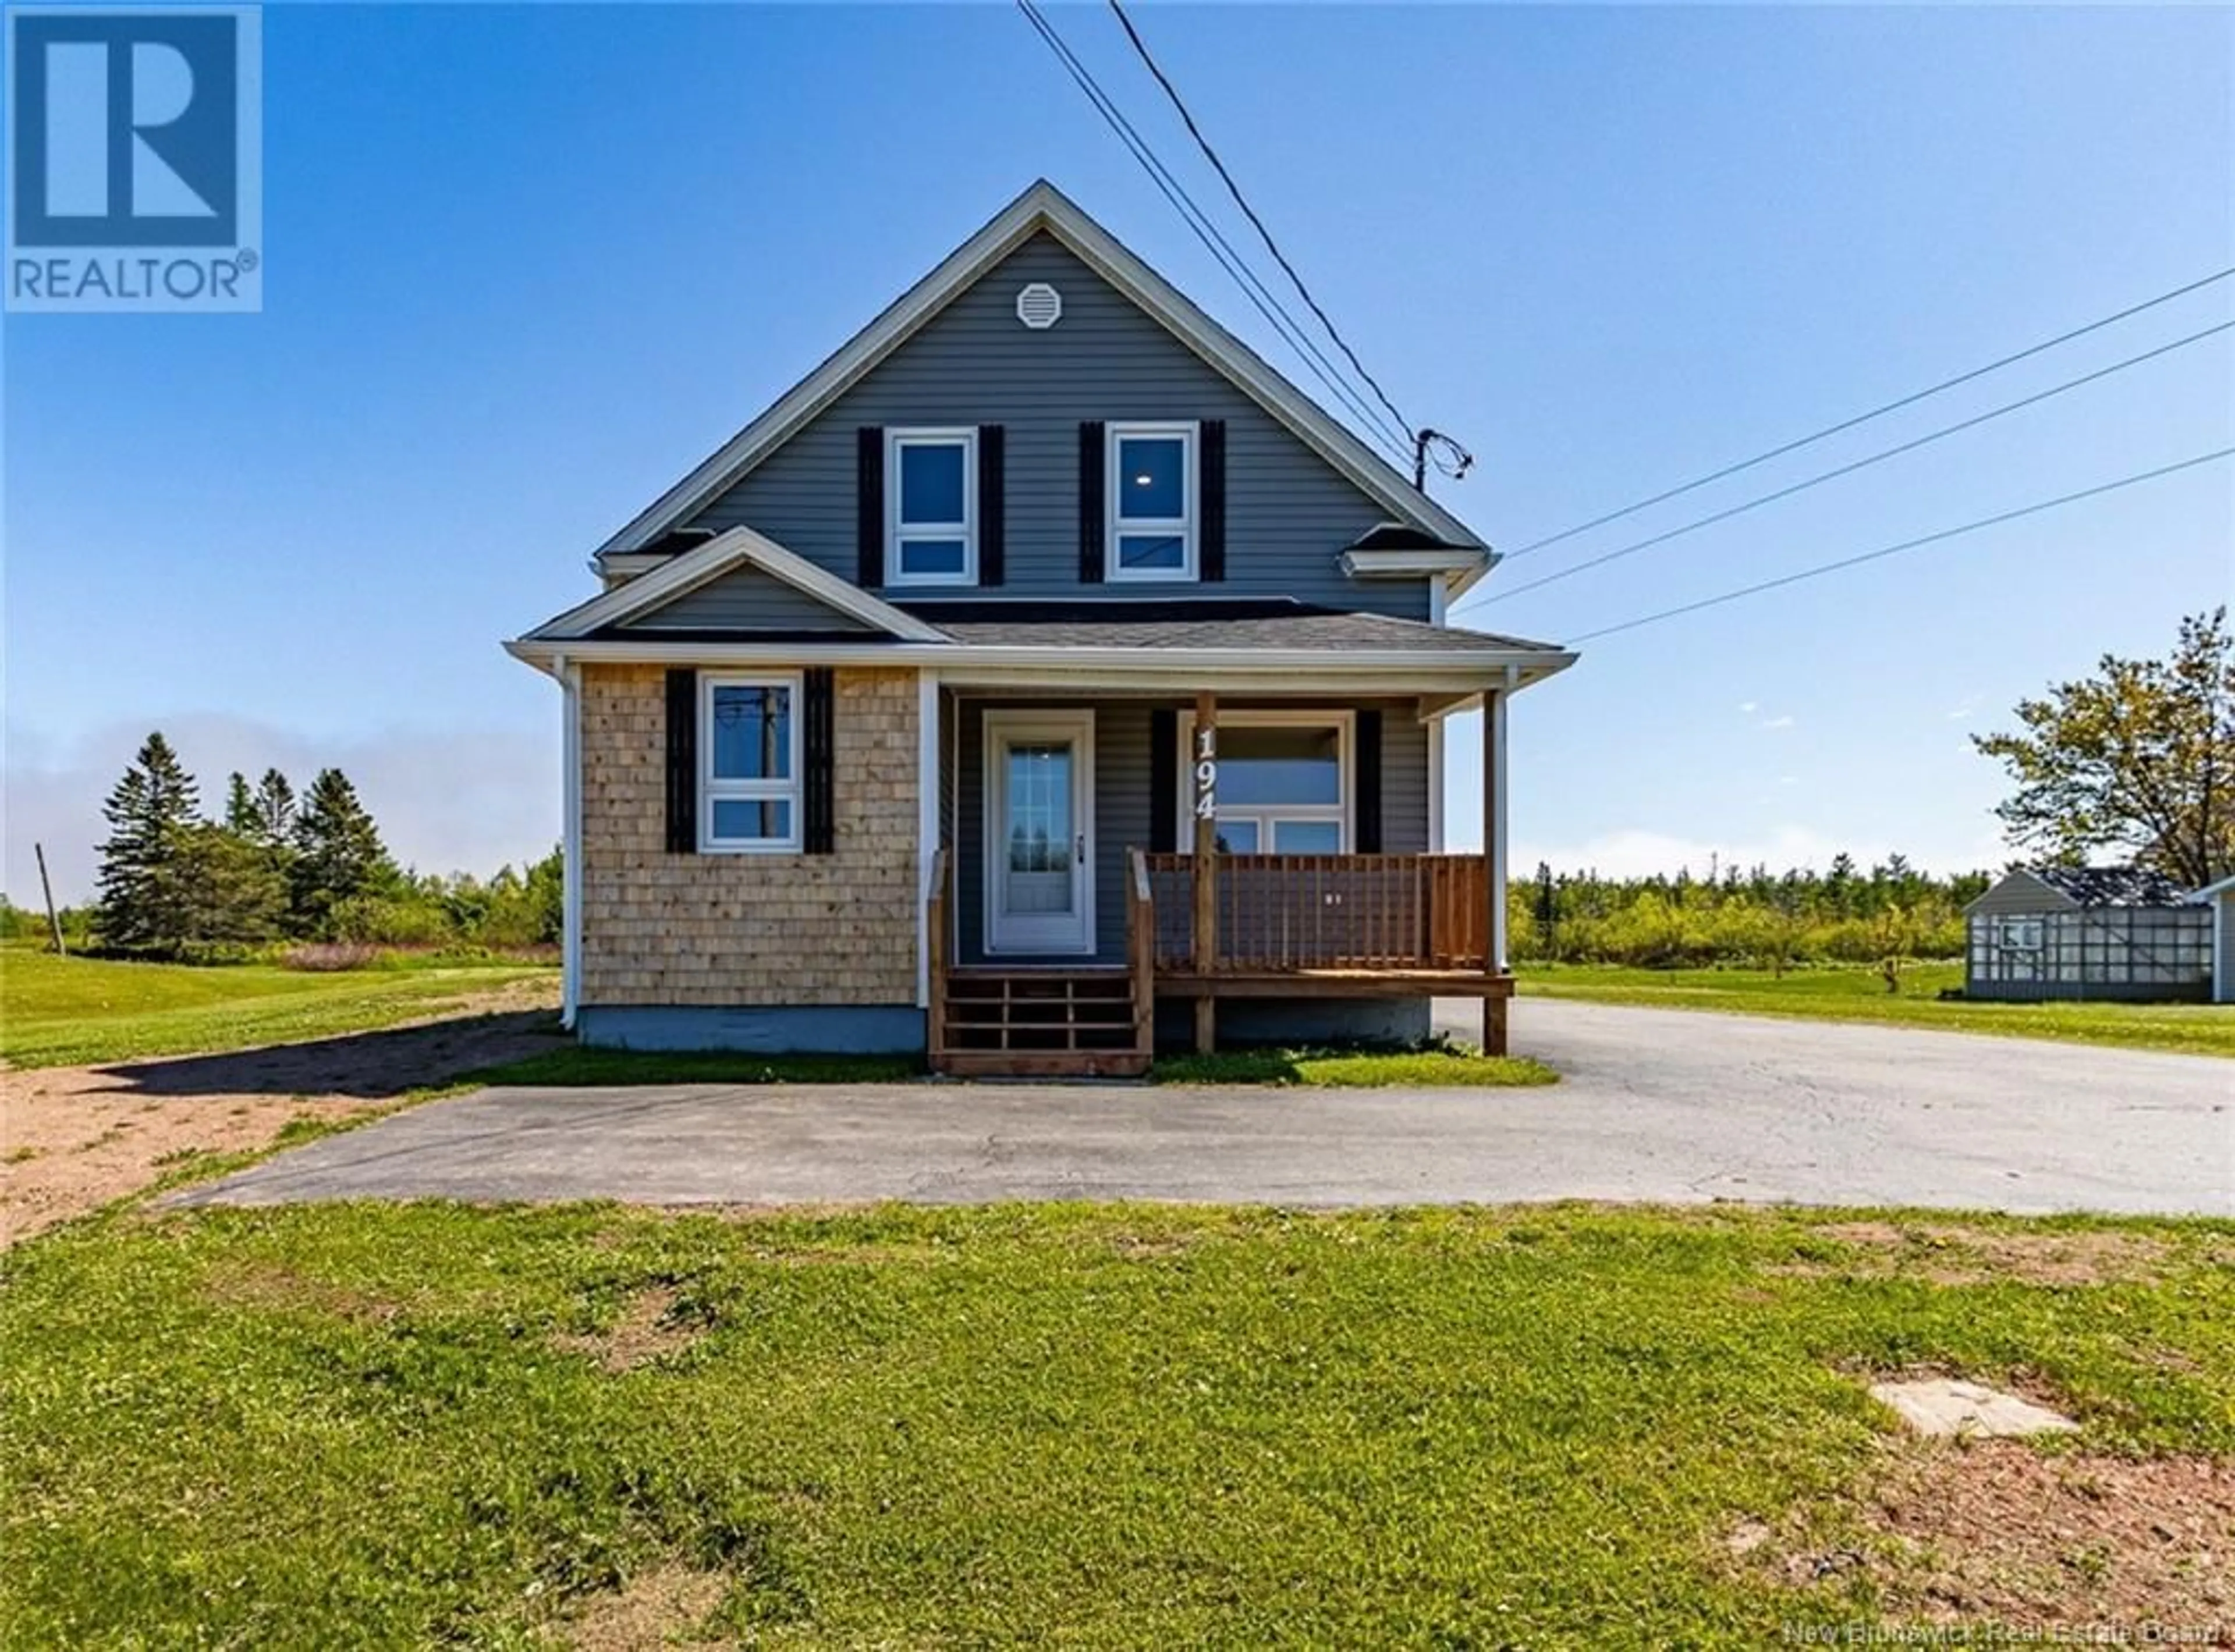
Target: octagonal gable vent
<point>1039,306</point>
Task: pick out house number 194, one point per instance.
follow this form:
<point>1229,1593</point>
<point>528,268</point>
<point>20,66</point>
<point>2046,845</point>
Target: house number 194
<point>1206,773</point>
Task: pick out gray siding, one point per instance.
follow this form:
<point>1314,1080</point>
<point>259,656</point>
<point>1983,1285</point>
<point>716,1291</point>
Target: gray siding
<point>745,598</point>
<point>2018,894</point>
<point>1289,513</point>
<point>2223,986</point>
<point>1121,804</point>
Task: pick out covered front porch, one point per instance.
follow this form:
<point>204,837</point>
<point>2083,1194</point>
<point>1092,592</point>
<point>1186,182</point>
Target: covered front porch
<point>1116,871</point>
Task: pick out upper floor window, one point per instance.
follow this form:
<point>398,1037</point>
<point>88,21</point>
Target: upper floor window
<point>932,480</point>
<point>1153,501</point>
<point>749,737</point>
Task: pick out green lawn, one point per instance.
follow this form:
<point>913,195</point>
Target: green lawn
<point>71,1012</point>
<point>1106,1426</point>
<point>1353,1069</point>
<point>1349,1068</point>
<point>1860,995</point>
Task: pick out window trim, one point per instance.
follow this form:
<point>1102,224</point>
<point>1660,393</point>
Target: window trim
<point>1187,527</point>
<point>1344,721</point>
<point>713,788</point>
<point>2021,933</point>
<point>899,533</point>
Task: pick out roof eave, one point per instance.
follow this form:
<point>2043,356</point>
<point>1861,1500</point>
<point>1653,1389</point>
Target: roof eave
<point>1489,667</point>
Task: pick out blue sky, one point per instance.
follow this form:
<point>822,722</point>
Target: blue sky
<point>526,265</point>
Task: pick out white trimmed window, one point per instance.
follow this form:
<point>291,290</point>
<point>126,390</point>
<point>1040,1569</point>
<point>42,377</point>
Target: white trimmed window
<point>931,482</point>
<point>1284,781</point>
<point>1153,494</point>
<point>2018,934</point>
<point>749,764</point>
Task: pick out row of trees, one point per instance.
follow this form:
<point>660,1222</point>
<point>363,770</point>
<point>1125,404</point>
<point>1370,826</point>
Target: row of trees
<point>1752,916</point>
<point>277,865</point>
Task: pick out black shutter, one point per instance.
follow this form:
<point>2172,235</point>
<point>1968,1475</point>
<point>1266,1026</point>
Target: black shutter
<point>993,506</point>
<point>1163,781</point>
<point>683,761</point>
<point>1211,559</point>
<point>820,827</point>
<point>869,505</point>
<point>1366,809</point>
<point>1091,510</point>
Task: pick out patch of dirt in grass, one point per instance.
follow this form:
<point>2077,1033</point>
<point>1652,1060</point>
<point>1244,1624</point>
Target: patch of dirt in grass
<point>1996,1531</point>
<point>648,1329</point>
<point>268,1286</point>
<point>1148,1247</point>
<point>72,1139</point>
<point>1946,1254</point>
<point>653,1609</point>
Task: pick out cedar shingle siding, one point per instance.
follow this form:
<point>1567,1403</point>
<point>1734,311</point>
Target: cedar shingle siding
<point>663,927</point>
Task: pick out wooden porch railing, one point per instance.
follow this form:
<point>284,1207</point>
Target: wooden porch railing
<point>1274,913</point>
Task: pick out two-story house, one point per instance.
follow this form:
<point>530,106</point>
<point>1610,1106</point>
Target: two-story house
<point>1043,670</point>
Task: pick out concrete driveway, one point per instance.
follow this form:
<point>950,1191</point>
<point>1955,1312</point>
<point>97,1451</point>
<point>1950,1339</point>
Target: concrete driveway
<point>1658,1104</point>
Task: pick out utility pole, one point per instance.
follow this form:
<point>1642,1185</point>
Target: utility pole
<point>1462,460</point>
<point>54,923</point>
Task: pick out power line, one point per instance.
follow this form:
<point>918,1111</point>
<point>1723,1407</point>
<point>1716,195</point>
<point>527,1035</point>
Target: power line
<point>1847,469</point>
<point>1221,251</point>
<point>1876,412</point>
<point>1906,545</point>
<point>1250,212</point>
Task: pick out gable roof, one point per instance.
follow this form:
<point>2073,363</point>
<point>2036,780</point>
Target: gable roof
<point>2063,888</point>
<point>740,545</point>
<point>1043,207</point>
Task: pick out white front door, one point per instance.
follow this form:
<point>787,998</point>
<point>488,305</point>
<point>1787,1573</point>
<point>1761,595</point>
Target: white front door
<point>1039,832</point>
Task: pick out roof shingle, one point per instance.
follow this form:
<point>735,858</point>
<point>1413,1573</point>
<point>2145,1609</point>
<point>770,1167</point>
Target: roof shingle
<point>1275,623</point>
<point>2110,886</point>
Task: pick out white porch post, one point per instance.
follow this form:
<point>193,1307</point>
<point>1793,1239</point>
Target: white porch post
<point>1493,825</point>
<point>926,822</point>
<point>1435,786</point>
<point>1438,614</point>
<point>1494,1001</point>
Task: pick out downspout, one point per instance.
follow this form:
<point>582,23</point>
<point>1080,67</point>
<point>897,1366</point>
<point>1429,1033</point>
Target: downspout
<point>570,688</point>
<point>928,780</point>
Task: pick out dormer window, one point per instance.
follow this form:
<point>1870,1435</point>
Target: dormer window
<point>1153,501</point>
<point>931,477</point>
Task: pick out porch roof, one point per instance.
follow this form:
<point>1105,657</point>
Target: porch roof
<point>1281,624</point>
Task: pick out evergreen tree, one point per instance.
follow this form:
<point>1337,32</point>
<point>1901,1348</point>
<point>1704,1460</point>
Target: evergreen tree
<point>240,817</point>
<point>338,854</point>
<point>275,808</point>
<point>145,875</point>
<point>233,889</point>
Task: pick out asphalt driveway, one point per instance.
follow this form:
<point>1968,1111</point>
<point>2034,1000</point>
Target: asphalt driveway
<point>1658,1104</point>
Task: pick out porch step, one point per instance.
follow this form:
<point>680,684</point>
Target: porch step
<point>1029,1022</point>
